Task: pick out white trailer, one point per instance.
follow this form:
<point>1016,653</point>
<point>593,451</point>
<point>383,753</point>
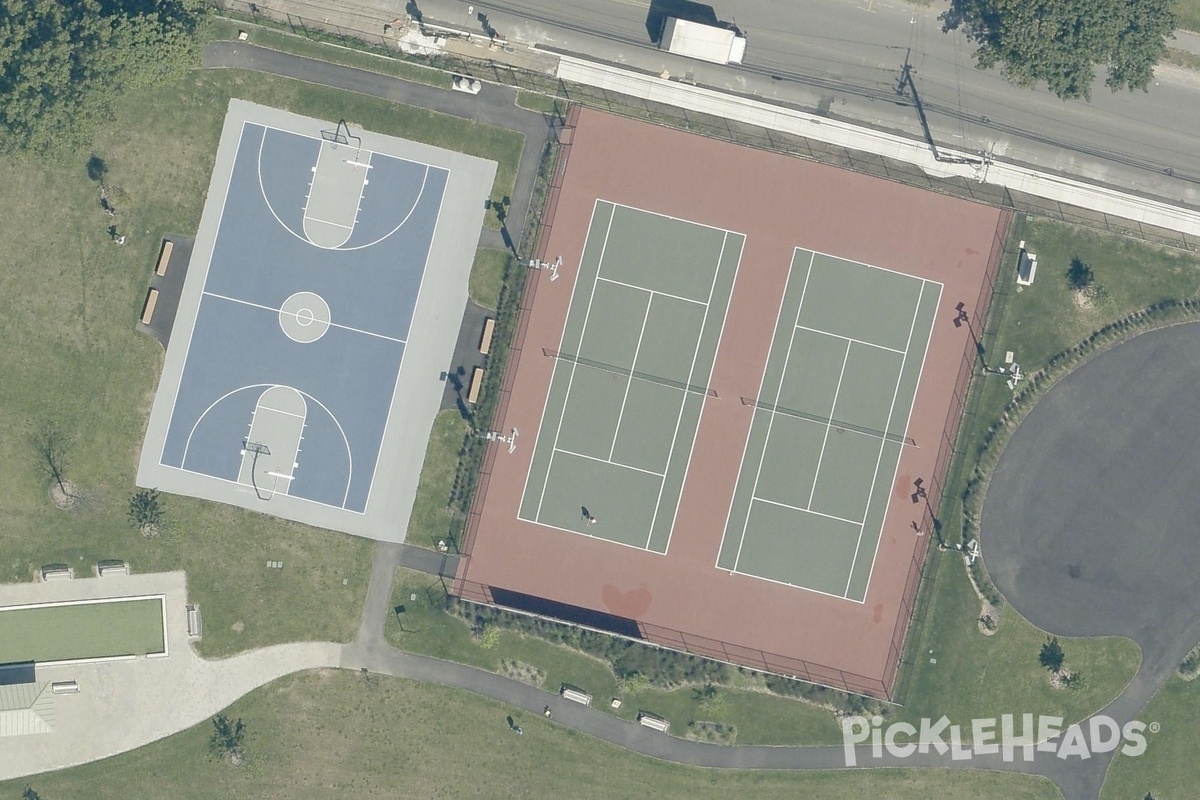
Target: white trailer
<point>713,43</point>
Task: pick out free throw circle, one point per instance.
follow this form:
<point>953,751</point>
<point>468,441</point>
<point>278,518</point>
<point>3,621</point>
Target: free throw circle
<point>304,317</point>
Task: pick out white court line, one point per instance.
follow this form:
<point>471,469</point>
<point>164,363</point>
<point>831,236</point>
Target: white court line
<point>717,349</point>
<point>679,419</point>
<point>587,535</point>
<point>654,291</point>
<point>886,426</point>
<point>280,311</point>
<point>629,380</point>
<point>370,154</point>
<point>674,219</point>
<point>887,506</point>
<point>799,586</point>
<point>306,396</point>
<point>608,461</point>
<point>219,479</point>
<point>328,222</point>
<point>868,266</point>
<point>778,392</point>
<point>829,424</point>
<point>196,309</point>
<point>279,411</point>
<point>554,371</point>
<point>574,363</point>
<point>849,339</point>
<point>806,511</point>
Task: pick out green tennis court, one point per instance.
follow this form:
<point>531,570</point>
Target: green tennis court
<point>829,425</point>
<point>631,376</point>
<point>81,630</point>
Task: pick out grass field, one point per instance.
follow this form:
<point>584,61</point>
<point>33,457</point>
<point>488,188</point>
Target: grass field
<point>1187,14</point>
<point>758,718</point>
<point>487,276</point>
<point>73,358</point>
<point>1167,770</point>
<point>329,733</point>
<point>81,630</point>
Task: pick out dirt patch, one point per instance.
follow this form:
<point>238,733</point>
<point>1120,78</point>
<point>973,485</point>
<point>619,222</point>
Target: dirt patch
<point>67,496</point>
<point>238,626</point>
<point>525,673</point>
<point>989,614</point>
<point>711,732</point>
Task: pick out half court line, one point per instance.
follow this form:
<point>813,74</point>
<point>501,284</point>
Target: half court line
<point>829,425</point>
<point>280,311</point>
<point>629,382</point>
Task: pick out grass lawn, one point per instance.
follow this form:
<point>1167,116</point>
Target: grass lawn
<point>1187,14</point>
<point>273,35</point>
<point>81,630</point>
<point>329,733</point>
<point>759,718</point>
<point>980,676</point>
<point>73,358</point>
<point>431,514</point>
<point>1167,770</point>
<point>1000,673</point>
<point>487,276</point>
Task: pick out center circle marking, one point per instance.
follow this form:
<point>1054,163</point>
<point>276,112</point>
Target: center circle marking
<point>304,317</point>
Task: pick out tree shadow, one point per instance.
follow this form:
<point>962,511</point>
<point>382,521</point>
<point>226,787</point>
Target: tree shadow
<point>97,170</point>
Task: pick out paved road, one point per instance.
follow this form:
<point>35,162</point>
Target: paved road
<point>845,56</point>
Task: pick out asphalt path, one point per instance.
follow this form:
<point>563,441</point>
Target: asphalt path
<point>844,58</point>
<point>1079,779</point>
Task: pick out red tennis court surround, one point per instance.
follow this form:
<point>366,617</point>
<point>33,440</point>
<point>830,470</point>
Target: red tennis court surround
<point>681,599</point>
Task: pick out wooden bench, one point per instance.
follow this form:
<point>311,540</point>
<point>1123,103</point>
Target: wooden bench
<point>194,625</point>
<point>148,308</point>
<point>651,721</point>
<point>489,330</point>
<point>64,687</point>
<point>575,695</point>
<point>476,385</point>
<point>164,256</point>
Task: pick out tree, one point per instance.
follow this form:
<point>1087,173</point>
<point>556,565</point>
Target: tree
<point>1052,656</point>
<point>1079,275</point>
<point>145,510</point>
<point>1062,41</point>
<point>29,794</point>
<point>53,449</point>
<point>64,62</point>
<point>228,740</point>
